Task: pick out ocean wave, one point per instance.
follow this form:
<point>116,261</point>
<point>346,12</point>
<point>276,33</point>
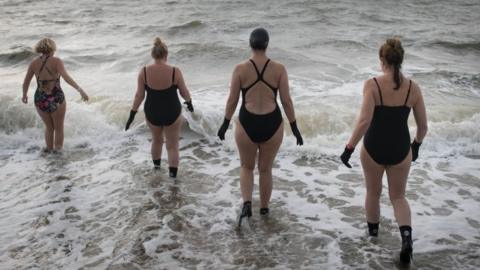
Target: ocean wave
<point>18,55</point>
<point>186,26</point>
<point>16,116</point>
<point>471,46</point>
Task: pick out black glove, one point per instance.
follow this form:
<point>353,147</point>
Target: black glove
<point>223,129</point>
<point>347,153</point>
<point>415,146</point>
<point>296,132</point>
<point>130,119</point>
<point>189,105</point>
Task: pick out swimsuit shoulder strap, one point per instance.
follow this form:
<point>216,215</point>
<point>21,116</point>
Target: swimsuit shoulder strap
<point>264,68</point>
<point>408,93</point>
<point>173,75</point>
<point>43,65</point>
<point>256,68</point>
<point>379,90</point>
<point>145,73</point>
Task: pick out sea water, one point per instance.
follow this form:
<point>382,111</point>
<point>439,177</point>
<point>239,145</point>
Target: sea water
<point>99,204</point>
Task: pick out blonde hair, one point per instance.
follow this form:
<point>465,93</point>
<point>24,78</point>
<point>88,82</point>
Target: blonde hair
<point>392,53</point>
<point>45,46</point>
<point>159,49</point>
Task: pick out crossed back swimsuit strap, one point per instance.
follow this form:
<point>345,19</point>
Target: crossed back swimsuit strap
<point>260,77</point>
<point>162,106</point>
<point>44,82</point>
<point>260,127</point>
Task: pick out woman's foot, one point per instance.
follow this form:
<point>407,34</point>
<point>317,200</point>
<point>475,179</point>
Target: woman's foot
<point>156,164</point>
<point>407,244</point>
<point>264,211</point>
<point>172,171</point>
<point>246,212</point>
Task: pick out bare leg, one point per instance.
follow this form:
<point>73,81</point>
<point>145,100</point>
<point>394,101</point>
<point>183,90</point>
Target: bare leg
<point>157,140</point>
<point>373,173</point>
<point>49,127</point>
<point>267,153</point>
<point>397,181</point>
<point>248,152</point>
<point>172,136</point>
<point>58,118</point>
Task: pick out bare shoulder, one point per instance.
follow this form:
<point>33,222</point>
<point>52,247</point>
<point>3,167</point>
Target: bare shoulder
<point>369,85</point>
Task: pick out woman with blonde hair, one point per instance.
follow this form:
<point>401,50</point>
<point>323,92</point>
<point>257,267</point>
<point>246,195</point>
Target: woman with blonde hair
<point>383,119</point>
<point>162,106</point>
<point>49,98</point>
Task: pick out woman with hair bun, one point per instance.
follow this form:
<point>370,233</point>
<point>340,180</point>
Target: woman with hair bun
<point>383,119</point>
<point>49,98</point>
<point>162,106</point>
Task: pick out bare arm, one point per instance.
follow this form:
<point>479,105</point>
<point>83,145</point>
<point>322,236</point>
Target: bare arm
<point>182,87</point>
<point>285,98</point>
<point>420,114</point>
<point>234,95</point>
<point>63,72</point>
<point>140,94</point>
<point>26,82</point>
<point>366,114</point>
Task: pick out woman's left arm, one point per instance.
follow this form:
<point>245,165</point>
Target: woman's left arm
<point>63,72</point>
<point>26,83</point>
<point>366,114</point>
<point>182,87</point>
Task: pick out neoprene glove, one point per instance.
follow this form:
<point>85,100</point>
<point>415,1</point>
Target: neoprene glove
<point>345,157</point>
<point>415,146</point>
<point>223,129</point>
<point>189,105</point>
<point>296,132</point>
<point>130,119</point>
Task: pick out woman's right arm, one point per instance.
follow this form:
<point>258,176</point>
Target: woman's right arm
<point>420,114</point>
<point>234,95</point>
<point>26,83</point>
<point>140,93</point>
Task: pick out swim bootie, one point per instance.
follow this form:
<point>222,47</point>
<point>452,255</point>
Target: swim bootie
<point>246,212</point>
<point>373,229</point>
<point>156,164</point>
<point>407,244</point>
<point>172,171</point>
<point>264,211</point>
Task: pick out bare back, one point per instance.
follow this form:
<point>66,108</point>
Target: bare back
<point>49,73</point>
<point>159,77</point>
<point>395,97</point>
<point>260,98</point>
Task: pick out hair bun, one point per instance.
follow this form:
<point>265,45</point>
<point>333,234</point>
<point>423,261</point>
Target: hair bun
<point>157,42</point>
<point>395,43</point>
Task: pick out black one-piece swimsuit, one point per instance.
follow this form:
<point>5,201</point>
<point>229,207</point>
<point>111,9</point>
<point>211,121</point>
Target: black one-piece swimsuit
<point>260,127</point>
<point>387,139</point>
<point>162,107</point>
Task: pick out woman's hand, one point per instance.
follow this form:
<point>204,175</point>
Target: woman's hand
<point>83,94</point>
<point>25,99</point>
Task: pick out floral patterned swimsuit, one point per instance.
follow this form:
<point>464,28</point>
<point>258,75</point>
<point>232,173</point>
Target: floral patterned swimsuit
<point>48,102</point>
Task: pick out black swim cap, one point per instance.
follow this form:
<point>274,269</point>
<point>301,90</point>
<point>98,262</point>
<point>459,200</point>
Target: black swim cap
<point>259,39</point>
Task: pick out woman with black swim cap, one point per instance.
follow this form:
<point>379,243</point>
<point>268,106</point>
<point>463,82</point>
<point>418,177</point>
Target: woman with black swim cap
<point>162,107</point>
<point>259,129</point>
<point>387,101</point>
<point>49,97</point>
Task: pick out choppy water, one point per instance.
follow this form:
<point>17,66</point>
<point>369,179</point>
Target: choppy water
<point>99,205</point>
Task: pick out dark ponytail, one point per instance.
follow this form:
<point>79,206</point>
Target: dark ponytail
<point>392,54</point>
